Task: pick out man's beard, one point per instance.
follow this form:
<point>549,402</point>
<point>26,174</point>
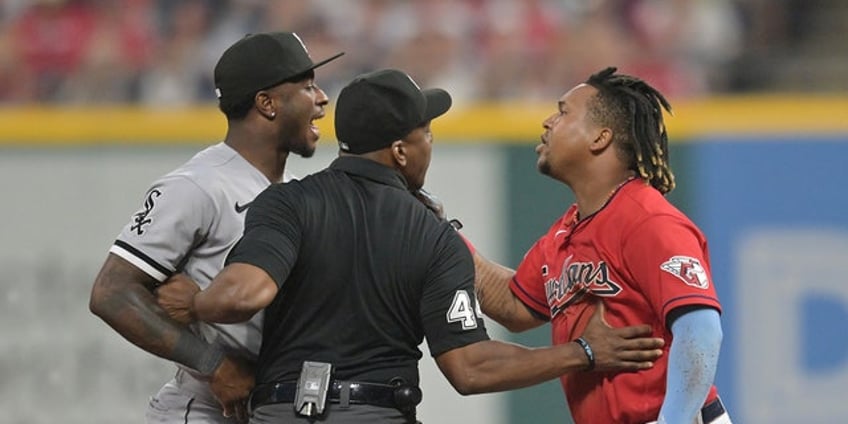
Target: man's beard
<point>303,149</point>
<point>544,168</point>
<point>305,152</point>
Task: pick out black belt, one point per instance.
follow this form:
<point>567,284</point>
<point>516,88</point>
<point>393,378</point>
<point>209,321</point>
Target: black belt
<point>404,398</point>
<point>712,410</point>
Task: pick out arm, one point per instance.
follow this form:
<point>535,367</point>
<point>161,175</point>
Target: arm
<point>490,366</point>
<point>237,293</point>
<point>692,362</point>
<point>492,280</point>
<point>496,299</point>
<point>122,297</point>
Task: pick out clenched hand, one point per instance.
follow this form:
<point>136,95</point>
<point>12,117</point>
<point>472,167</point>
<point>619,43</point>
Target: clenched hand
<point>176,297</point>
<point>231,384</point>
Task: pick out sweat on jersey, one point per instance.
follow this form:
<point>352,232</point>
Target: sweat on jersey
<point>189,221</point>
<point>642,257</point>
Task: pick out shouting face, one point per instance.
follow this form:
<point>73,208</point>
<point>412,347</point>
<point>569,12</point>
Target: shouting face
<point>302,103</point>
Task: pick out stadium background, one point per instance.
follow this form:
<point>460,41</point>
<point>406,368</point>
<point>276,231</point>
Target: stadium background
<point>758,144</point>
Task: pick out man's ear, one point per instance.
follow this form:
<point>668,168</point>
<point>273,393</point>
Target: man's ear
<point>602,140</point>
<point>265,104</point>
<point>399,153</point>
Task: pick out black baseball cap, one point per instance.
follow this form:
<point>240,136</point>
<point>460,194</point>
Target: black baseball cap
<point>260,61</point>
<point>379,107</point>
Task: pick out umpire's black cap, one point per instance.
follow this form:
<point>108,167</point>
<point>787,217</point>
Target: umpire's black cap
<point>260,61</point>
<point>383,106</point>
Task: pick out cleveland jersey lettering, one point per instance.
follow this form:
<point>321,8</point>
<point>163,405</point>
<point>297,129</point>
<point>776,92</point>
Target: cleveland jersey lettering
<point>615,257</point>
<point>575,280</point>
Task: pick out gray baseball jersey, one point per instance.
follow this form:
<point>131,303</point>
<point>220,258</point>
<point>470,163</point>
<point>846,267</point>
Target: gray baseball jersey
<point>189,221</point>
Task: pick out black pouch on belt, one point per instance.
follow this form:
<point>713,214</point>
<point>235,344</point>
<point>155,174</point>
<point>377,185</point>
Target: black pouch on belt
<point>312,388</point>
<point>406,397</point>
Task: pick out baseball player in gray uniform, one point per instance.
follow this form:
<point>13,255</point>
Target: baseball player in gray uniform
<point>192,217</point>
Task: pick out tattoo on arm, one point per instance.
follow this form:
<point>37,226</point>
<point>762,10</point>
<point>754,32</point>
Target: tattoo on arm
<point>492,285</point>
<point>497,300</point>
<point>123,297</point>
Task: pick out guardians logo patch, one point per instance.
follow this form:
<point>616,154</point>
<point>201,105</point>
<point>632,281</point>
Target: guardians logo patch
<point>688,270</point>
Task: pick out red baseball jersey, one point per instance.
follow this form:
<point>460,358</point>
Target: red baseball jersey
<point>642,257</point>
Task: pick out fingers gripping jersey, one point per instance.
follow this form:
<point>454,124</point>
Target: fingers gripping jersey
<point>188,222</point>
<point>643,258</point>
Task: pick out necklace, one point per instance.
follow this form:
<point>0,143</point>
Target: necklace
<point>611,193</point>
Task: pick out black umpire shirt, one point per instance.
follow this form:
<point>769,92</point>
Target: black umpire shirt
<point>365,272</point>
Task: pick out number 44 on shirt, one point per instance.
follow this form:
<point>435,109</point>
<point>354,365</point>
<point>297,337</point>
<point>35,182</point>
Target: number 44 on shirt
<point>461,310</point>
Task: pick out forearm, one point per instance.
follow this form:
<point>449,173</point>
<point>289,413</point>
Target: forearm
<point>499,366</point>
<point>489,366</point>
<point>213,306</point>
<point>692,363</point>
<point>122,298</point>
<point>497,300</point>
<point>236,294</point>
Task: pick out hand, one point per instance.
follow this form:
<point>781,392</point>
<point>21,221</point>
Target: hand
<point>231,384</point>
<point>176,297</point>
<point>626,348</point>
<point>431,202</point>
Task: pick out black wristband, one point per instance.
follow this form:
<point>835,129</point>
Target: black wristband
<point>193,352</point>
<point>589,354</point>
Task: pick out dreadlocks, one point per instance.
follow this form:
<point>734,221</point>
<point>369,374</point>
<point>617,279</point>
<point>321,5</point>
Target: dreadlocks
<point>631,108</point>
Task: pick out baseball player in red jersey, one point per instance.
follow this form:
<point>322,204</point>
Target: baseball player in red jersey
<point>624,245</point>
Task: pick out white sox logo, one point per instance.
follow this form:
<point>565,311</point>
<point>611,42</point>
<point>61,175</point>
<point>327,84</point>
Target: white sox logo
<point>575,280</point>
<point>140,219</point>
<point>687,269</point>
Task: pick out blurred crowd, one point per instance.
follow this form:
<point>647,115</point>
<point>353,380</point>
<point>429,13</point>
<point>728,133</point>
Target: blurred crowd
<point>162,52</point>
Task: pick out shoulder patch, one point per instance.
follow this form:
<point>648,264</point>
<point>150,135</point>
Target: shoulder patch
<point>140,219</point>
<point>687,269</point>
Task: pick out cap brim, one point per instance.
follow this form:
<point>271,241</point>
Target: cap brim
<point>438,102</point>
<point>314,65</point>
<point>325,61</point>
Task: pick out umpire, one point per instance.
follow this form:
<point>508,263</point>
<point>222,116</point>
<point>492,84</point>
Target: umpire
<point>355,272</point>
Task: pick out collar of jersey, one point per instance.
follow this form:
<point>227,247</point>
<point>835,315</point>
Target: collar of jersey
<point>370,169</point>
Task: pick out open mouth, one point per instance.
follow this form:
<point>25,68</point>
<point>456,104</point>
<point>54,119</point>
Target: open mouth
<point>312,125</point>
<point>543,143</point>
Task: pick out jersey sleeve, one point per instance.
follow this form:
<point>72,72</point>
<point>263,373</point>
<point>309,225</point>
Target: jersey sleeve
<point>528,285</point>
<point>450,313</point>
<point>176,215</point>
<point>669,260</point>
<point>272,233</point>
